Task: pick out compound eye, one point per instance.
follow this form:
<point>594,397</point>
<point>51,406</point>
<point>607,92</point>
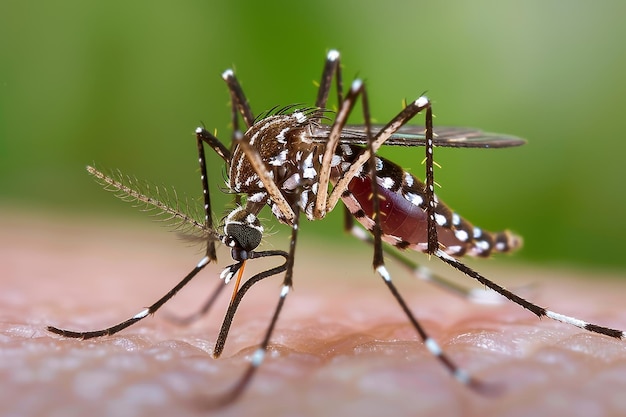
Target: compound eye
<point>244,231</point>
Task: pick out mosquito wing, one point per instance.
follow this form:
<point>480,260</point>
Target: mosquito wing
<point>448,136</point>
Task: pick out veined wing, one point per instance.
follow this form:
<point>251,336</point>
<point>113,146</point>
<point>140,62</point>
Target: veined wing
<point>447,136</point>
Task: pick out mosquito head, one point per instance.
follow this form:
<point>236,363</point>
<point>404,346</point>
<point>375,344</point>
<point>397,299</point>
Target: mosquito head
<point>242,233</point>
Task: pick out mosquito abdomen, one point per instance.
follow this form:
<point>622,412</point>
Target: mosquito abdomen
<point>403,214</point>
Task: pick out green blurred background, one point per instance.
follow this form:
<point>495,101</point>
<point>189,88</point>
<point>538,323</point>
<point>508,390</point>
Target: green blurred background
<point>124,84</point>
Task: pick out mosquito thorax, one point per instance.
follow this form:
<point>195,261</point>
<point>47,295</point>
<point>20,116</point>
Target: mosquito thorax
<point>242,233</point>
<point>292,160</point>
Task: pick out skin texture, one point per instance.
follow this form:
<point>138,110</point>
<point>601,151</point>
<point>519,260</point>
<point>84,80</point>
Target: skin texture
<point>341,347</point>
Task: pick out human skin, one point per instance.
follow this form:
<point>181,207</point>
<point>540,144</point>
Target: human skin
<point>342,345</point>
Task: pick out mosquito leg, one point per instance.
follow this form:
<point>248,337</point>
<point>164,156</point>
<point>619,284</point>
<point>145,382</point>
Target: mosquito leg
<point>208,216</point>
<point>203,135</point>
<point>379,264</point>
<point>431,344</point>
<point>187,320</point>
<point>238,100</point>
<point>262,171</point>
<point>252,154</point>
<point>433,241</point>
<point>322,205</point>
<point>239,105</point>
<point>533,308</point>
<point>261,350</point>
<point>377,230</point>
<point>332,67</point>
<point>256,361</point>
<point>137,317</point>
<point>346,106</point>
<point>381,137</point>
<point>232,308</point>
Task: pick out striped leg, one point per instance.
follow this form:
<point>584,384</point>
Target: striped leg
<point>332,69</point>
<point>259,354</point>
<point>275,194</point>
<point>232,308</point>
<point>381,137</point>
<point>239,102</point>
<point>203,136</point>
<point>206,195</point>
<point>379,266</point>
<point>125,192</point>
<point>239,106</point>
<point>535,309</point>
<point>137,317</point>
<point>431,344</point>
<point>208,304</point>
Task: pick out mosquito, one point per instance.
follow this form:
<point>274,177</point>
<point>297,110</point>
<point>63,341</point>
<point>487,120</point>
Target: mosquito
<point>301,162</point>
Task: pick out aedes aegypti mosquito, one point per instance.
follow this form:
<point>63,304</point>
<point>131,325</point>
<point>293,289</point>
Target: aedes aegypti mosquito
<point>292,161</point>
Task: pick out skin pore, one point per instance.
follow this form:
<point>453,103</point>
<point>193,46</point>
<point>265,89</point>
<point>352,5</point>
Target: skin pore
<point>342,346</point>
